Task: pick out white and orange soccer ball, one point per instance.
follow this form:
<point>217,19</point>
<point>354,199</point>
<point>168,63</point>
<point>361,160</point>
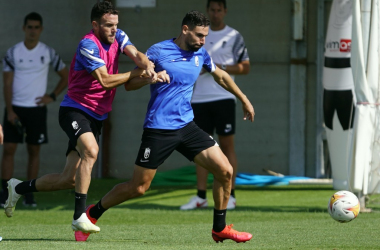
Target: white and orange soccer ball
<point>343,206</point>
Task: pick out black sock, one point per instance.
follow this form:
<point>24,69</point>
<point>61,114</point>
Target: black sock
<point>219,220</point>
<point>233,193</point>
<point>97,210</point>
<point>26,187</point>
<point>4,185</point>
<point>80,205</point>
<point>201,194</point>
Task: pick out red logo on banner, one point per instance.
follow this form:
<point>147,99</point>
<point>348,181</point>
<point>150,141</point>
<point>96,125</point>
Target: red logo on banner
<point>345,45</point>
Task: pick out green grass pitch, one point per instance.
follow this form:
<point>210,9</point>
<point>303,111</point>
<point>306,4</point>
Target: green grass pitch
<point>279,217</point>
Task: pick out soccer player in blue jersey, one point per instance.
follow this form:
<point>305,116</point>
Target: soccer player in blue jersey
<point>169,124</point>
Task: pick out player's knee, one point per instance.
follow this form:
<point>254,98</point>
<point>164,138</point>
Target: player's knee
<point>9,150</point>
<point>91,152</point>
<point>69,183</point>
<point>227,173</point>
<point>66,182</point>
<point>140,190</point>
<point>33,151</point>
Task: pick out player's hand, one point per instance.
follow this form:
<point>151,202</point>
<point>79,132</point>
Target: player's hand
<point>248,111</point>
<point>43,100</point>
<point>152,64</point>
<point>162,76</point>
<point>139,72</point>
<point>150,71</point>
<point>12,117</point>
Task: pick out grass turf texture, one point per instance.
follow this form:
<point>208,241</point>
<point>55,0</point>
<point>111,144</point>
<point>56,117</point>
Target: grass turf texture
<point>279,217</point>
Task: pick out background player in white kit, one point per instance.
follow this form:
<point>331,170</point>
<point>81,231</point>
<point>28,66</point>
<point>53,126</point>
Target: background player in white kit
<point>25,72</point>
<point>213,106</point>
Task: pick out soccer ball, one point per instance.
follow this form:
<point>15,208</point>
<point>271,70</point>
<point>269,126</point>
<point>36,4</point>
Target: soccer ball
<point>344,206</point>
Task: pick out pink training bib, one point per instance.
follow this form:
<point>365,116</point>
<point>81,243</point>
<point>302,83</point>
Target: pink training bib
<point>85,89</point>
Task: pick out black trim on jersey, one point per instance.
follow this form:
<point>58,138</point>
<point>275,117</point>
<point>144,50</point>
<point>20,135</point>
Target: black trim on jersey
<point>337,63</point>
<point>242,54</point>
<point>58,62</point>
<point>9,64</point>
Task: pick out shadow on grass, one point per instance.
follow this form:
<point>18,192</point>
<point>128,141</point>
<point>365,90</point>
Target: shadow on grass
<point>64,200</point>
<point>63,240</point>
<point>24,239</point>
<point>149,206</point>
<point>144,205</point>
<point>287,188</point>
<point>256,188</point>
<point>285,209</point>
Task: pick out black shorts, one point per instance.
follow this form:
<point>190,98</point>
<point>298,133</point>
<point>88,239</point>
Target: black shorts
<point>158,144</point>
<point>217,115</point>
<point>76,122</point>
<point>343,102</point>
<point>34,126</point>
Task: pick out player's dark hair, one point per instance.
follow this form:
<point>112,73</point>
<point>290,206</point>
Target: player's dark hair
<point>33,16</point>
<point>195,18</point>
<point>217,1</point>
<point>102,8</point>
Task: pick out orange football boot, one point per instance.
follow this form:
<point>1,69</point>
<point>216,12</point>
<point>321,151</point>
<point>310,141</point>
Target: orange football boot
<point>232,234</point>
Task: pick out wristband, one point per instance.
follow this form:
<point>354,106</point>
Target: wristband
<point>52,95</point>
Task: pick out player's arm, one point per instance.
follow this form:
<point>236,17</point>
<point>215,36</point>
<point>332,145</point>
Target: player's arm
<point>139,82</point>
<point>88,58</point>
<point>114,80</point>
<point>225,80</point>
<point>240,56</point>
<point>141,60</point>
<point>8,87</point>
<point>241,68</point>
<point>61,85</point>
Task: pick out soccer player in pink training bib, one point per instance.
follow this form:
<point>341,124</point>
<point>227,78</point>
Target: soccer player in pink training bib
<point>92,85</point>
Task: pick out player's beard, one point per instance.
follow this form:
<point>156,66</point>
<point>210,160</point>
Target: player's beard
<point>193,47</point>
<point>106,39</point>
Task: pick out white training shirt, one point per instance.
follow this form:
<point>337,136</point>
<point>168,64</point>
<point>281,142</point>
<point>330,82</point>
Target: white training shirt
<point>30,69</point>
<point>227,47</point>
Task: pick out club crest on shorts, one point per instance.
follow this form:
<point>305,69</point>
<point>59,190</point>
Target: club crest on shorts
<point>196,61</point>
<point>42,138</point>
<point>228,128</point>
<point>75,125</point>
<point>146,153</point>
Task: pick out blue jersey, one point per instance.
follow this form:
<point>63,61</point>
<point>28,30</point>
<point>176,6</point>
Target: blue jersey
<point>169,106</point>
